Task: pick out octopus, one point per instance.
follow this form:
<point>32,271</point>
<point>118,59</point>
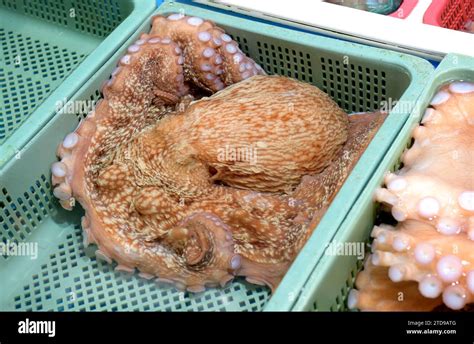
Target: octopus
<point>426,261</point>
<point>197,167</point>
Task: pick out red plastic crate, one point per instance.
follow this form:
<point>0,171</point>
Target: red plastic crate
<point>405,9</point>
<point>450,14</point>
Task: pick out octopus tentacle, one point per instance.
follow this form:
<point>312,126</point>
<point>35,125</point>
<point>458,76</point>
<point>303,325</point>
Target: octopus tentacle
<point>432,197</point>
<point>155,64</point>
<point>212,59</point>
<point>193,236</point>
<point>127,92</point>
<point>376,292</point>
<point>416,253</point>
<point>423,189</point>
<point>266,274</point>
<point>197,252</point>
<point>236,66</point>
<point>61,171</point>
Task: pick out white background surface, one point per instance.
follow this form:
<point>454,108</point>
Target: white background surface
<point>403,34</point>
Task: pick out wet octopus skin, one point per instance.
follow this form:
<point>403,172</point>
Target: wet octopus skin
<point>145,164</point>
<point>208,49</point>
<point>429,256</point>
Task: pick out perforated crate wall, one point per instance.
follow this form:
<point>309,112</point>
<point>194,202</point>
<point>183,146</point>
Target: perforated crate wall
<point>340,302</point>
<point>97,17</point>
<point>32,68</point>
<point>74,280</point>
<point>19,216</point>
<point>355,86</point>
<point>42,42</point>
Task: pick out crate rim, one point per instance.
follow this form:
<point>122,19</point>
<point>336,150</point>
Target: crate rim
<point>452,63</point>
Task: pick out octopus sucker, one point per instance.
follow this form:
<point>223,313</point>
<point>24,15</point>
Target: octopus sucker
<point>380,293</point>
<point>214,60</point>
<point>191,187</point>
<point>427,260</point>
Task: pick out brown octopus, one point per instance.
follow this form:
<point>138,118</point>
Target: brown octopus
<point>162,178</point>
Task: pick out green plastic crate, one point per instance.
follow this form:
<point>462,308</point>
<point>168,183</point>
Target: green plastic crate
<point>334,276</point>
<point>65,276</point>
<point>49,48</point>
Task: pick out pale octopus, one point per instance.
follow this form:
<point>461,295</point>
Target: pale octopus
<point>426,262</point>
<point>148,167</point>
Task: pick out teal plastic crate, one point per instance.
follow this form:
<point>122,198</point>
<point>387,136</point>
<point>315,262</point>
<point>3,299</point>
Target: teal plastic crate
<point>49,48</point>
<point>334,276</point>
<point>65,276</point>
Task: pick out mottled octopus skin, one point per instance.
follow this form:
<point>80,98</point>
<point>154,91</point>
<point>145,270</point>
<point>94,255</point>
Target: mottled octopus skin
<point>429,255</point>
<point>208,49</point>
<point>158,197</point>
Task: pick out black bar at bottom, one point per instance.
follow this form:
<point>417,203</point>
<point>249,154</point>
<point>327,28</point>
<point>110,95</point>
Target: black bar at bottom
<point>19,327</point>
